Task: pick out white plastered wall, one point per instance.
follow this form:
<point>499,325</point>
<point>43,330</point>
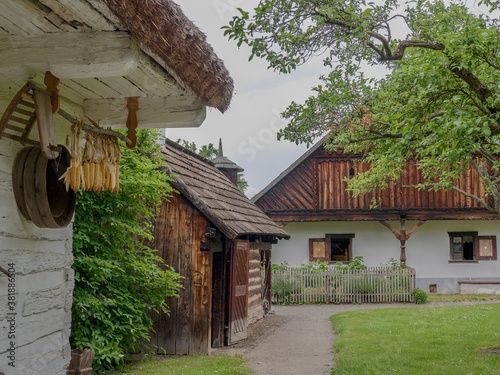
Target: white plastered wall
<point>428,250</point>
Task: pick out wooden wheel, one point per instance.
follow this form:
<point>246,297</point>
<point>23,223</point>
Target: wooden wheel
<point>40,195</point>
<point>17,181</point>
<point>60,205</point>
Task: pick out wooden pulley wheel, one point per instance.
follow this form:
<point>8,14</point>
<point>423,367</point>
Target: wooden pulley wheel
<point>17,181</point>
<point>40,196</point>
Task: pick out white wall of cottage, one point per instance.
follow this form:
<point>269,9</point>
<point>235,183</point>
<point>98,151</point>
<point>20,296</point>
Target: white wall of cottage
<point>428,250</point>
<point>36,339</point>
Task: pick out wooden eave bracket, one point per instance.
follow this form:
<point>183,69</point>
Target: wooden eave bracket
<point>132,106</point>
<point>51,82</point>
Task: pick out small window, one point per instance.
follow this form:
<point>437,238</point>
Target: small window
<point>468,246</point>
<point>340,246</point>
<point>333,248</point>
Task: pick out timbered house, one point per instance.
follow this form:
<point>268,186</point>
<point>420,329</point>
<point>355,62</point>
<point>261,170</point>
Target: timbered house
<point>117,62</point>
<point>217,239</point>
<point>453,238</point>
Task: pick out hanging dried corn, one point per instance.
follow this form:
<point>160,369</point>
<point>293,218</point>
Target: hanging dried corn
<point>111,171</point>
<point>88,165</point>
<point>101,158</point>
<point>98,160</point>
<point>73,176</point>
<point>117,157</point>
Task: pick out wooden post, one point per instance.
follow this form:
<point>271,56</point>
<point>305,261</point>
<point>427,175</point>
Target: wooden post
<point>402,239</point>
<point>402,235</point>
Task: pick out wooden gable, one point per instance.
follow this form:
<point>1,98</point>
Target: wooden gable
<point>314,189</point>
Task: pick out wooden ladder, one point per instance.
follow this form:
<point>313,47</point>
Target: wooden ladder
<point>19,117</point>
<point>31,104</point>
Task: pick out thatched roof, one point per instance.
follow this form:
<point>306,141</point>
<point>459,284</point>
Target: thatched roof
<point>162,30</point>
<point>216,197</point>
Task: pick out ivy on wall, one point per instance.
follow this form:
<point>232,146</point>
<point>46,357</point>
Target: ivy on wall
<point>118,277</point>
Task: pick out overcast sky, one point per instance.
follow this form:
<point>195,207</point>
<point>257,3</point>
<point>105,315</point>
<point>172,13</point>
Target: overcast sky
<point>248,129</point>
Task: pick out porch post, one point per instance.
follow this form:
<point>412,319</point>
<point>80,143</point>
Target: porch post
<point>402,240</point>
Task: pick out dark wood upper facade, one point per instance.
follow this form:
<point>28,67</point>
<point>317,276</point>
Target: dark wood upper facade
<point>314,189</point>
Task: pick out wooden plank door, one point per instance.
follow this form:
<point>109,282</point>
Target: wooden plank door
<point>265,256</point>
<point>238,303</point>
<point>218,295</point>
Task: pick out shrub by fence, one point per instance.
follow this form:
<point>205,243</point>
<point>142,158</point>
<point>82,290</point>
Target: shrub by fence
<point>340,285</point>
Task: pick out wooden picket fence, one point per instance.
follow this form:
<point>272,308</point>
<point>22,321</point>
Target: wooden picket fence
<point>374,284</point>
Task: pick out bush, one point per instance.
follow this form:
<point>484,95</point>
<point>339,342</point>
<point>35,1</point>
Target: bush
<point>419,296</point>
<point>357,264</point>
<point>283,289</point>
<point>117,277</point>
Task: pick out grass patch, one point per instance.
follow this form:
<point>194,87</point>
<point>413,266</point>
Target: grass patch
<point>462,297</point>
<point>431,341</point>
<point>188,365</point>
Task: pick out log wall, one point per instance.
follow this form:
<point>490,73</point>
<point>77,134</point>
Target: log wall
<point>41,262</point>
<point>332,194</point>
<point>315,190</point>
<point>255,308</point>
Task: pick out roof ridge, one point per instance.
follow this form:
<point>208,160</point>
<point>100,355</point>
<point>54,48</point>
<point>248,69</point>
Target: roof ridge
<point>292,166</point>
<point>183,149</point>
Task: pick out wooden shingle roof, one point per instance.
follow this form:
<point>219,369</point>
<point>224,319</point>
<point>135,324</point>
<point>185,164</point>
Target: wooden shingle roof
<point>216,197</point>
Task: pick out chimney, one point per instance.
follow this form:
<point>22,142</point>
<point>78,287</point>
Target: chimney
<point>226,166</point>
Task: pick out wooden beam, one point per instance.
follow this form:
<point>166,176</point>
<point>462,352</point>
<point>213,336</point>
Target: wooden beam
<point>79,12</point>
<point>167,112</point>
<point>68,55</point>
<point>288,216</point>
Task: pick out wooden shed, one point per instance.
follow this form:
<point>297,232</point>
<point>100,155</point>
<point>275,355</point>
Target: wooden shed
<point>218,240</point>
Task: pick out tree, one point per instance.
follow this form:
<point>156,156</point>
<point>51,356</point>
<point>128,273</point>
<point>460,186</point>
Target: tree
<point>117,276</point>
<point>439,101</point>
<point>210,152</point>
<point>206,151</point>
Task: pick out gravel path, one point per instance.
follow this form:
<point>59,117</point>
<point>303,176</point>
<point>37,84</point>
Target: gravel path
<point>298,340</point>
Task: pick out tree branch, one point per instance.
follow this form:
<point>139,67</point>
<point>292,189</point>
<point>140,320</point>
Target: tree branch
<point>375,48</point>
<point>486,178</point>
<point>385,44</point>
<point>376,137</point>
<point>490,63</point>
<point>403,45</point>
<point>476,198</point>
<point>482,90</point>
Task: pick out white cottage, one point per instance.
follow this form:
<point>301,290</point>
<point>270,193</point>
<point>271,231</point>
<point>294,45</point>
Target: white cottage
<point>448,238</point>
<point>117,62</point>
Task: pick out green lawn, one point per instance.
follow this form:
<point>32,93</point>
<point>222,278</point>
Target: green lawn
<point>434,340</point>
<point>462,297</point>
<point>420,341</point>
<point>188,365</point>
